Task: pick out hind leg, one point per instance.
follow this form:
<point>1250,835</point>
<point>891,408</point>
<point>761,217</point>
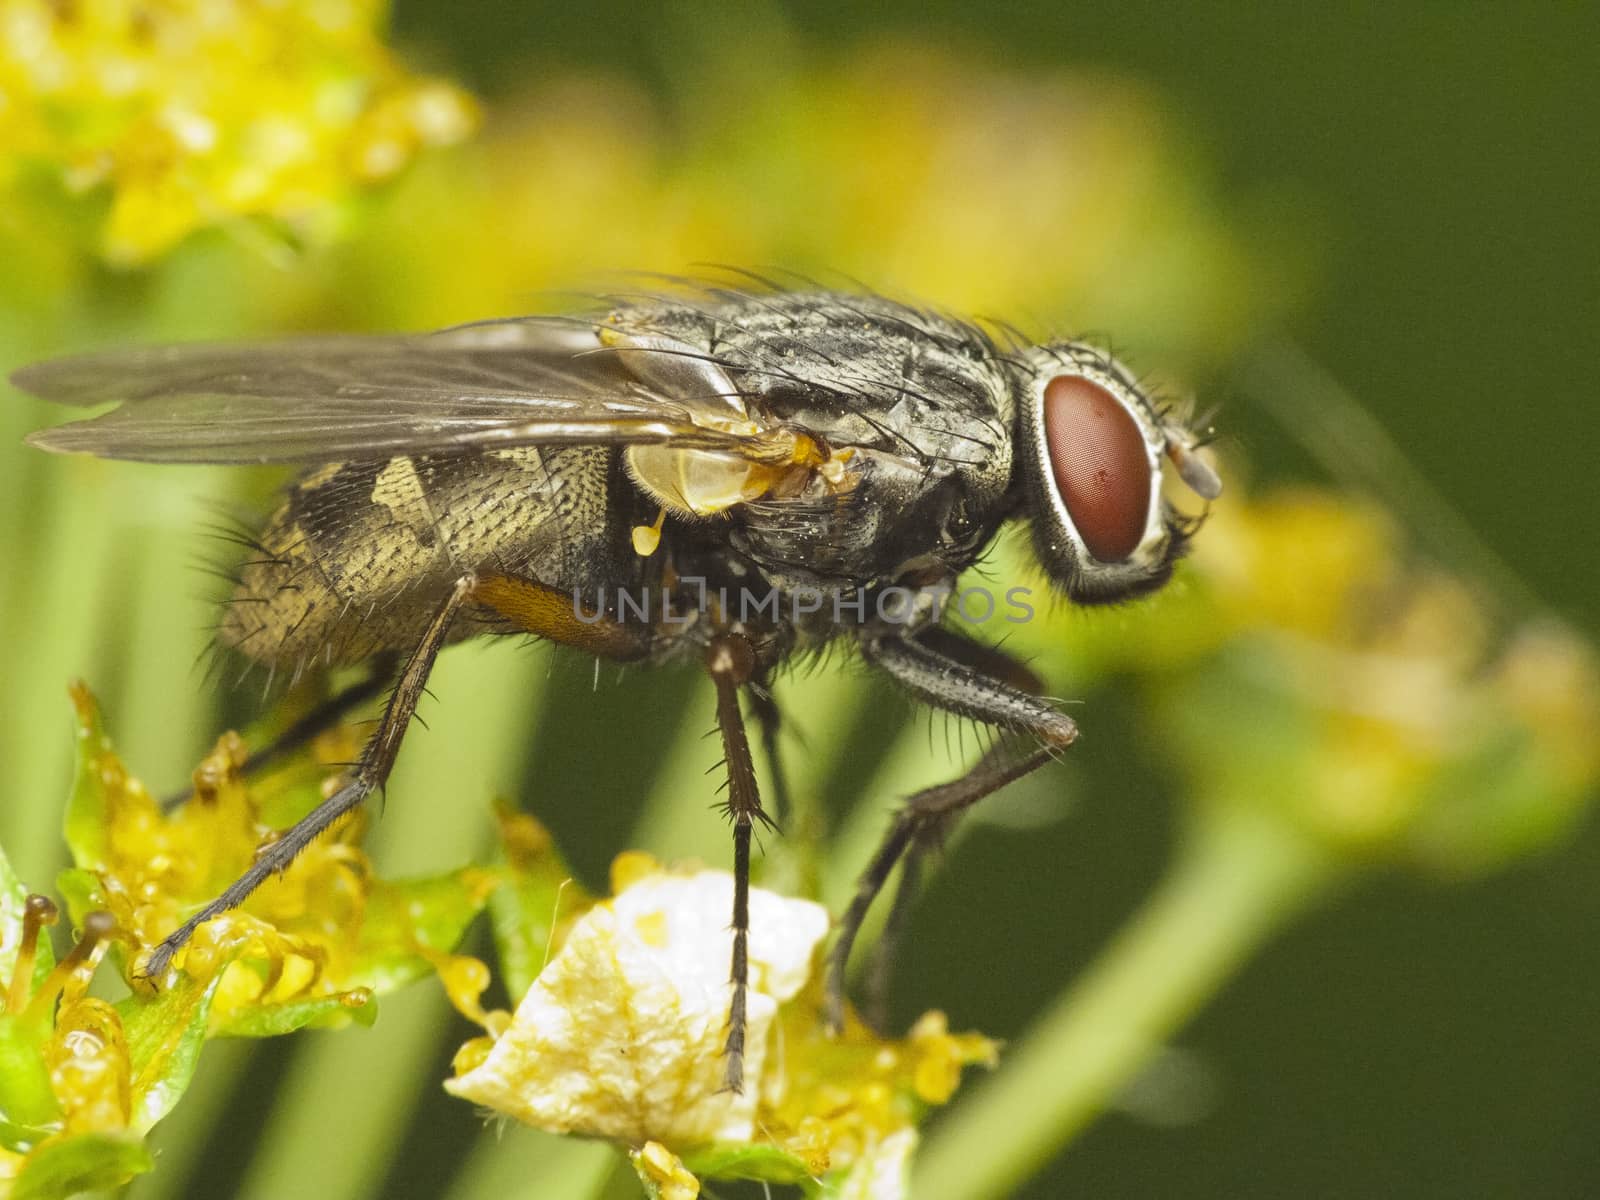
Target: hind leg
<point>368,775</point>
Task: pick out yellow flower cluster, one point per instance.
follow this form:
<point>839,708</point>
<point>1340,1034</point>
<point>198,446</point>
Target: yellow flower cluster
<point>322,936</point>
<point>1044,197</point>
<point>191,114</point>
<point>69,1076</point>
<point>1394,708</point>
<point>83,1079</point>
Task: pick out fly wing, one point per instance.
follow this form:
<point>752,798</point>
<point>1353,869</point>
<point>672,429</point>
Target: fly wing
<point>535,380</point>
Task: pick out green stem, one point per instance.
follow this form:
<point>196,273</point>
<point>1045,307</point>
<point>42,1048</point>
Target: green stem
<point>1240,875</point>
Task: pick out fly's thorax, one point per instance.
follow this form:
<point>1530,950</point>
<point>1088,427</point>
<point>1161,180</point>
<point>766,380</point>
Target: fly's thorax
<point>906,450</point>
<point>892,513</point>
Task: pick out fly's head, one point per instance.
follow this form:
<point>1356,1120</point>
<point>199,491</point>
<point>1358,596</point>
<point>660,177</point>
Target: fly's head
<point>1093,450</point>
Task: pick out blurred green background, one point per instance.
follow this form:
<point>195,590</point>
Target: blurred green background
<point>1409,192</point>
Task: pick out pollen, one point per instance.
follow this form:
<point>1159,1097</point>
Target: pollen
<point>647,538</point>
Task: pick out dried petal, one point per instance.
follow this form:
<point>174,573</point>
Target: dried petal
<point>621,1035</point>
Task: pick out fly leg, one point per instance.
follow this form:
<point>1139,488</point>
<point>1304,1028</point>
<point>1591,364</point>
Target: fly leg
<point>935,674</point>
<point>731,662</point>
<point>369,774</point>
<point>328,713</point>
<point>881,956</point>
<point>997,664</point>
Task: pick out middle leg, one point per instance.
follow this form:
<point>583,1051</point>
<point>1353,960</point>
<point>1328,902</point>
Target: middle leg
<point>731,662</point>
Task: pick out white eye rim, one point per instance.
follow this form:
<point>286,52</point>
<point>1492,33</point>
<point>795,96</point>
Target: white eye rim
<point>1090,365</point>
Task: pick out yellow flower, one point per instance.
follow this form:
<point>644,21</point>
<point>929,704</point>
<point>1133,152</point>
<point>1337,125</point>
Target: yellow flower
<point>664,1172</point>
<point>314,943</point>
<point>1048,196</point>
<point>192,116</point>
<point>82,1079</point>
<point>620,1036</point>
<point>1389,705</point>
<point>72,1103</point>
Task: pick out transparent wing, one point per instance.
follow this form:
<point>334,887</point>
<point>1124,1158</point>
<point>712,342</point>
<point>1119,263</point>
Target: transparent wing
<point>535,380</point>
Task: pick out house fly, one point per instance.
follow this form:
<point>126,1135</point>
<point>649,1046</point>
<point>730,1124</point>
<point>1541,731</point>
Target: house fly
<point>780,469</point>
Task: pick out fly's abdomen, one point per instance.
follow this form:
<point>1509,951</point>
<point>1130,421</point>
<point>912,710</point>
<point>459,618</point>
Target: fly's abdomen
<point>361,554</point>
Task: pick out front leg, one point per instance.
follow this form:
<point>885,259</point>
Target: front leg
<point>935,674</point>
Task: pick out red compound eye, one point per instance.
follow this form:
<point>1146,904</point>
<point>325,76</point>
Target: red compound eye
<point>1100,463</point>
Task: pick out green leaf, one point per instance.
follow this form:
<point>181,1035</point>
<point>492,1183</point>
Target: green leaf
<point>84,1163</point>
<point>408,920</point>
<point>165,1032</point>
<point>83,892</point>
<point>318,1012</point>
<point>87,819</point>
<point>768,1164</point>
<point>27,1101</point>
<point>19,1139</point>
<point>526,911</point>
